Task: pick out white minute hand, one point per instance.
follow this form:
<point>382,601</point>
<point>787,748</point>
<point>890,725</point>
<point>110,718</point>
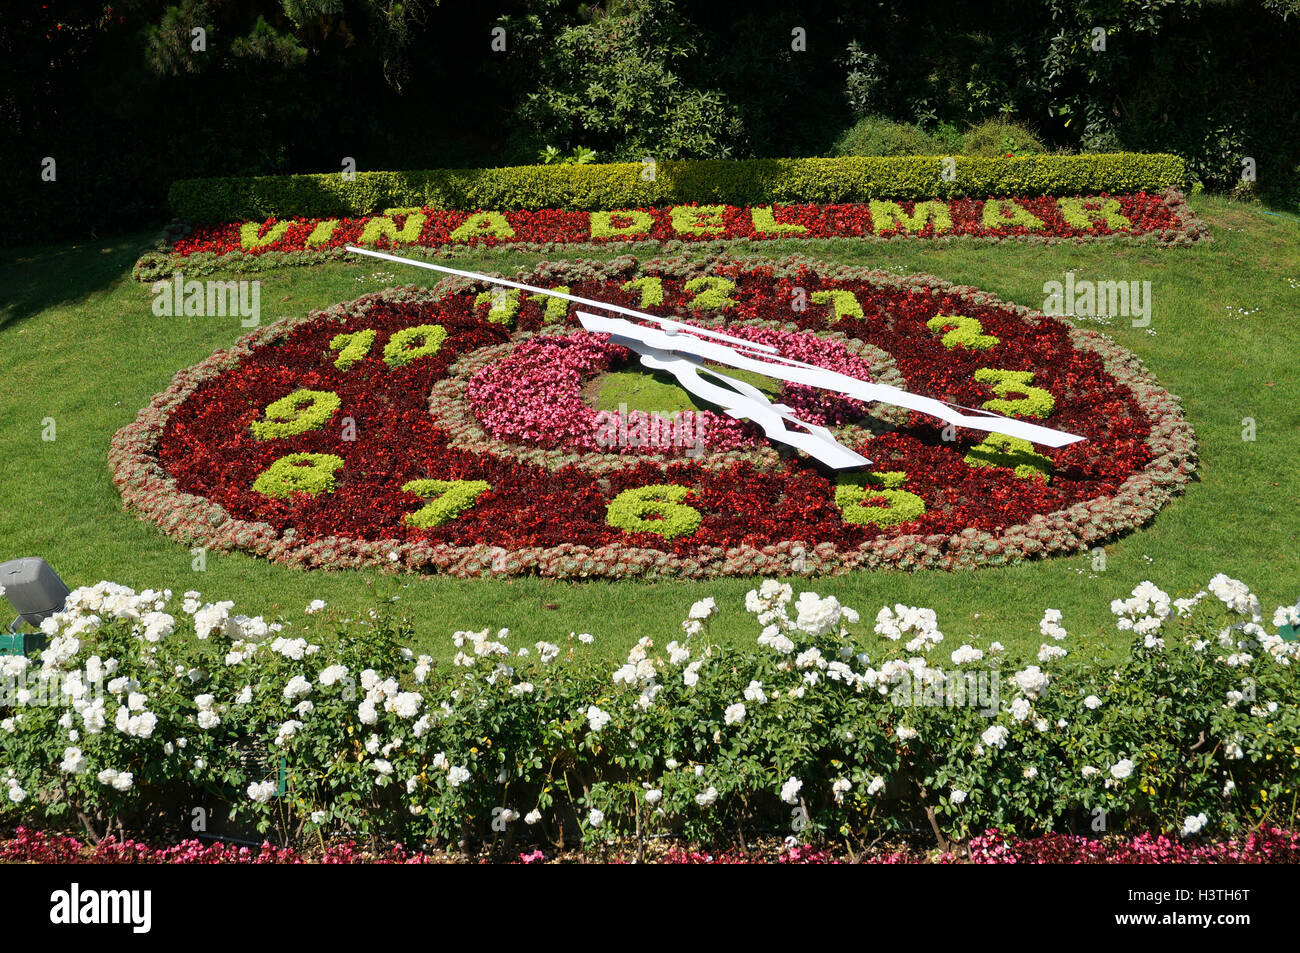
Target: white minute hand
<point>797,372</point>
<point>744,401</point>
<point>787,369</point>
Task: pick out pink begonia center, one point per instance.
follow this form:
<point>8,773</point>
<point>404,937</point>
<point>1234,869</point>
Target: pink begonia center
<point>535,396</point>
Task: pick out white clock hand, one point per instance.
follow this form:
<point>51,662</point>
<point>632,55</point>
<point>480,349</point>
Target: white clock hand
<point>747,402</point>
<point>551,293</point>
<point>669,339</point>
<point>796,372</point>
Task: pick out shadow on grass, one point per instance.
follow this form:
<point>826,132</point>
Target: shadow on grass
<point>36,277</point>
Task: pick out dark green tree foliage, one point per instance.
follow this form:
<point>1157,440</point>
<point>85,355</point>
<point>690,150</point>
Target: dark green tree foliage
<point>118,96</point>
<point>1212,80</point>
<point>168,43</point>
<point>265,44</point>
<point>619,82</point>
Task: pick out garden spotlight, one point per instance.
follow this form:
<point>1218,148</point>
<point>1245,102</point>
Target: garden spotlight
<point>33,588</point>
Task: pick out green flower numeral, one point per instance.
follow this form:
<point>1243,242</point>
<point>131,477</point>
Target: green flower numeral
<point>426,338</point>
<point>296,413</point>
<point>310,473</point>
<point>447,499</point>
<point>631,511</point>
<point>844,304</point>
<point>857,502</point>
<point>960,331</point>
<point>555,310</point>
<point>711,293</point>
<point>1000,450</point>
<point>1036,402</point>
<point>352,347</point>
<point>651,288</point>
<point>504,304</point>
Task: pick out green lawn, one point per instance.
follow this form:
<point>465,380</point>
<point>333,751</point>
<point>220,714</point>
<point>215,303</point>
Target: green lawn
<point>80,344</point>
<point>659,392</point>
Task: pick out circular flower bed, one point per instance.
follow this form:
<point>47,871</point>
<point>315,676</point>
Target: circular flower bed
<point>531,402</point>
<point>456,431</point>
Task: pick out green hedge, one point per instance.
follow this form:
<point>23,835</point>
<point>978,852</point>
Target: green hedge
<point>620,185</point>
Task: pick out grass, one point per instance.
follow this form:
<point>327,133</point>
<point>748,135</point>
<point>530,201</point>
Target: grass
<point>80,346</point>
<point>658,391</point>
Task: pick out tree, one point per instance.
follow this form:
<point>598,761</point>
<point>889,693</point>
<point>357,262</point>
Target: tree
<point>618,83</point>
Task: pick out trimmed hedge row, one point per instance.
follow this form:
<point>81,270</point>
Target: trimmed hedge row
<point>620,185</point>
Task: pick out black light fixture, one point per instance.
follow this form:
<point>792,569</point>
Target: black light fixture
<point>35,591</point>
<point>1291,633</point>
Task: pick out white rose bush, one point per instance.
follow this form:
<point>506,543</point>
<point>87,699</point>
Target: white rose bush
<point>828,726</point>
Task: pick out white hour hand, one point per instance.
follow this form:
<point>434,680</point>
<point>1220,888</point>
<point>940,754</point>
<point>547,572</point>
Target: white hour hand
<point>797,372</point>
<point>744,401</point>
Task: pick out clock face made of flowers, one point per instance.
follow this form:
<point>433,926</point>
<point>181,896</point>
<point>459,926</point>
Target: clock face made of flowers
<point>476,430</point>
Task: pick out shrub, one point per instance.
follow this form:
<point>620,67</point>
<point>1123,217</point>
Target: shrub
<point>878,136</point>
<point>330,725</point>
<point>621,185</point>
<point>997,137</point>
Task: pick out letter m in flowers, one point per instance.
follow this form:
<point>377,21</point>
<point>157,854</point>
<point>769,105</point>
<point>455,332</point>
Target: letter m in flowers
<point>889,217</point>
<point>384,226</point>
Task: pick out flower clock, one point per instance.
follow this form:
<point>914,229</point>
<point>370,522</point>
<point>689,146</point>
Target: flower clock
<point>479,430</point>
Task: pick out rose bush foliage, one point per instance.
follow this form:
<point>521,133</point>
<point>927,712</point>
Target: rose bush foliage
<point>827,726</point>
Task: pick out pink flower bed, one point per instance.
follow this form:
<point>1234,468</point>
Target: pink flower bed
<point>1269,846</point>
<point>535,394</point>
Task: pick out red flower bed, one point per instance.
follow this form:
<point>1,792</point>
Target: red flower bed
<point>1269,846</point>
<point>192,459</point>
<point>1144,213</point>
<point>1163,218</point>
